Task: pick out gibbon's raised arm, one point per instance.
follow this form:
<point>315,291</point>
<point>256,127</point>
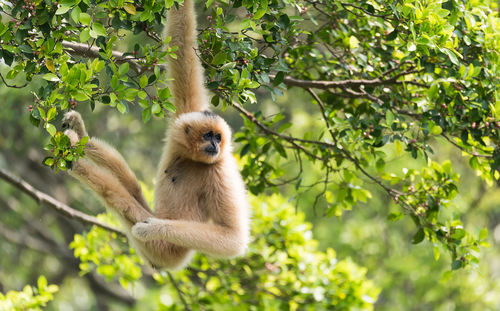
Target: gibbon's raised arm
<point>187,85</point>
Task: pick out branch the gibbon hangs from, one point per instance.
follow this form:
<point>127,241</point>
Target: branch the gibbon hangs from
<point>200,198</point>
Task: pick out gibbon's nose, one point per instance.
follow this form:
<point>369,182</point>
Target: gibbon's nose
<point>213,149</point>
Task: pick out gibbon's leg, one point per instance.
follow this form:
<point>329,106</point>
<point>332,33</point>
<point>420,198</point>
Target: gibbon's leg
<point>108,157</point>
<point>209,238</point>
<point>104,155</point>
<point>187,85</point>
<point>73,120</point>
<point>109,188</point>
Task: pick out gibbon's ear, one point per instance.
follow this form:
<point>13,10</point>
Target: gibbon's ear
<point>187,129</point>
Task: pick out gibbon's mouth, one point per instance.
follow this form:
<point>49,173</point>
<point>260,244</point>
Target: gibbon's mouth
<point>211,150</point>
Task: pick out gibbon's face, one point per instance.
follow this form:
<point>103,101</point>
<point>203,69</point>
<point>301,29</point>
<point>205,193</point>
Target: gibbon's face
<point>202,136</point>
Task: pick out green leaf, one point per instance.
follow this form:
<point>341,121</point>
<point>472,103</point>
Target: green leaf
<point>49,161</point>
<point>75,14</point>
<point>51,129</point>
<point>121,106</point>
<point>25,48</point>
<point>483,234</point>
<point>456,264</point>
<point>436,130</point>
<point>452,56</point>
<point>219,58</point>
<point>389,117</point>
<point>62,10</point>
<point>85,35</point>
<point>99,29</point>
<point>50,77</point>
<point>123,69</point>
<point>51,113</point>
<point>458,234</point>
<point>260,12</point>
<point>278,78</point>
<point>143,82</point>
<point>436,253</point>
<point>156,108</point>
<point>418,237</point>
<point>85,19</point>
<point>146,115</point>
<point>395,216</point>
<point>353,42</point>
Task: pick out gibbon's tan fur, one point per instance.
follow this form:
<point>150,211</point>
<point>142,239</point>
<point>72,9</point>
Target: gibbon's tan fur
<point>200,197</point>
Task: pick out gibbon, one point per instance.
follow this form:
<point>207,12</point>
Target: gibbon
<point>200,198</point>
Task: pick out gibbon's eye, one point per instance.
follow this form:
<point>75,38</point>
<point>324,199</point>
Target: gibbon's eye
<point>208,136</point>
<point>218,137</point>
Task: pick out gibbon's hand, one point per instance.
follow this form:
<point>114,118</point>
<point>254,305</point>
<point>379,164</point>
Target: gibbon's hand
<point>150,229</point>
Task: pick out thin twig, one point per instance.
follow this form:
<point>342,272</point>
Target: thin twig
<point>384,16</point>
<point>179,291</point>
<point>475,154</point>
<point>58,206</point>
<point>290,139</point>
<point>13,86</point>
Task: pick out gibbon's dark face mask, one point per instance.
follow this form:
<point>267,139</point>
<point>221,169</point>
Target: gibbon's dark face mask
<point>214,140</point>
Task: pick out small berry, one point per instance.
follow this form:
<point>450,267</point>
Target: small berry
<point>473,125</point>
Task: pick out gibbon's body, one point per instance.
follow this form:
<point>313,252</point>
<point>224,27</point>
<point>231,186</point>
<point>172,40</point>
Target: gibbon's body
<point>200,197</point>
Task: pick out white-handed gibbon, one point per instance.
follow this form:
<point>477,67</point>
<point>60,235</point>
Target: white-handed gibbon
<point>200,198</point>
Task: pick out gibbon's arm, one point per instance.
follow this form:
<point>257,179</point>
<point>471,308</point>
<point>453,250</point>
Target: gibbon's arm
<point>209,238</point>
<point>187,86</point>
<point>109,158</point>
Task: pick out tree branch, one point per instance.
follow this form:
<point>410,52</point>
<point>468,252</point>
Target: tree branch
<point>58,206</point>
<point>349,83</point>
<point>85,50</point>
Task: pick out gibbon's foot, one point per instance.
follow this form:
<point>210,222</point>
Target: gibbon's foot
<point>73,120</point>
<point>148,230</point>
<point>73,136</point>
